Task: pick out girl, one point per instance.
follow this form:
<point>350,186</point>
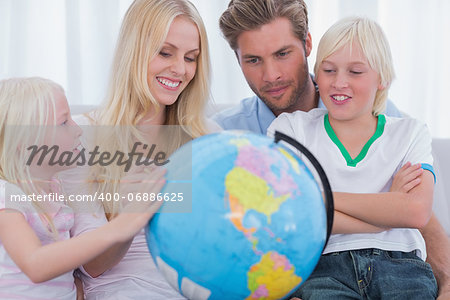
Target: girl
<point>375,251</point>
<point>159,82</point>
<point>37,255</point>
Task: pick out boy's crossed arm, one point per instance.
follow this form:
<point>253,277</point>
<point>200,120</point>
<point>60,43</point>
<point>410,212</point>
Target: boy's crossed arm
<point>407,204</point>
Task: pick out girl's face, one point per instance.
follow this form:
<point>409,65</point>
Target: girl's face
<point>347,83</point>
<point>67,131</point>
<point>63,132</point>
<point>173,68</point>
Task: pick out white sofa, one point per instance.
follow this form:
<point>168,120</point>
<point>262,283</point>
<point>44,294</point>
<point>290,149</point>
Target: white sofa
<point>441,153</point>
<point>441,204</point>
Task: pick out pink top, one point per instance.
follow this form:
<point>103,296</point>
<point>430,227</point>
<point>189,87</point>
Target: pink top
<point>14,284</point>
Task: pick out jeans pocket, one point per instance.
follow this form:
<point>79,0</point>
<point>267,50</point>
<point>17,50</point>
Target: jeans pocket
<point>417,272</point>
<point>407,257</point>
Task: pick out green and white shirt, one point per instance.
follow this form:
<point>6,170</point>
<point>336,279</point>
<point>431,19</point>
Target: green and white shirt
<point>395,142</point>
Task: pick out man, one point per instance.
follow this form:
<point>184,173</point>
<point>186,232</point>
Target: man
<point>271,41</point>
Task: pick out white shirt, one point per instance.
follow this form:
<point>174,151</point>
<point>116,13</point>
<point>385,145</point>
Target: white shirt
<point>395,143</point>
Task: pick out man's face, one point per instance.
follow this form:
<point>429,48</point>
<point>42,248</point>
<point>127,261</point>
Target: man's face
<point>274,63</point>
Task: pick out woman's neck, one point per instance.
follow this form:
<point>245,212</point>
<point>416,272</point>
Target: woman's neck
<point>154,118</point>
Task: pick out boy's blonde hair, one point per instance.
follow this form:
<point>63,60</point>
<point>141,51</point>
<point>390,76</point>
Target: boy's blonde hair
<point>369,35</point>
<point>143,32</point>
<point>26,105</point>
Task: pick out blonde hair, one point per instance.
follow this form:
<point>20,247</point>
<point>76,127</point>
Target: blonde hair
<point>24,101</point>
<point>129,98</point>
<point>248,15</point>
<point>369,35</point>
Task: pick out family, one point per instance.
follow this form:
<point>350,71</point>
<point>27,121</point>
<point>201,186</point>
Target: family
<point>386,242</point>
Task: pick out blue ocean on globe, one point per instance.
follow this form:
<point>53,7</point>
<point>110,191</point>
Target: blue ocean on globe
<point>251,225</point>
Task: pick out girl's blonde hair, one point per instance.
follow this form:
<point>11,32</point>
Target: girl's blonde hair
<point>369,35</point>
<point>143,32</point>
<point>26,105</point>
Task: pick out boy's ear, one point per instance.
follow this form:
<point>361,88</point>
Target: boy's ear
<point>381,86</point>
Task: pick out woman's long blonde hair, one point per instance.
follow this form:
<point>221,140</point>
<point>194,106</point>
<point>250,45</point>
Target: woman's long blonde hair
<point>143,32</point>
<point>26,105</point>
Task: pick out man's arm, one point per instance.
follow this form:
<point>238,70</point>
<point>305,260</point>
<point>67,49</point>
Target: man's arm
<point>438,254</point>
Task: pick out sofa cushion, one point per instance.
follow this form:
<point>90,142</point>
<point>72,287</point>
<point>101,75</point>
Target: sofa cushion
<point>441,204</point>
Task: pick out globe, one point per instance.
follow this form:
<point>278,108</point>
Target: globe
<point>251,225</point>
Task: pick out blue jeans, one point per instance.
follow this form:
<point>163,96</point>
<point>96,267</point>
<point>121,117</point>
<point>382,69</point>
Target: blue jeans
<point>369,274</point>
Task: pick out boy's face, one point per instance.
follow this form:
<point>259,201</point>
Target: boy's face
<point>274,63</point>
<point>347,83</point>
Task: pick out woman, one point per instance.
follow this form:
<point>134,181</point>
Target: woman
<point>160,76</point>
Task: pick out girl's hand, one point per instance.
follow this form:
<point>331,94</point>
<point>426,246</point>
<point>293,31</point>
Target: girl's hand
<point>406,178</point>
<point>140,181</point>
<point>139,209</point>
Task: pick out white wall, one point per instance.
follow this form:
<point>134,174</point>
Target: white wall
<point>72,43</point>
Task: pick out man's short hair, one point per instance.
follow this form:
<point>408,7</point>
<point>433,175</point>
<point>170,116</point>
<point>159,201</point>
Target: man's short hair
<point>247,15</point>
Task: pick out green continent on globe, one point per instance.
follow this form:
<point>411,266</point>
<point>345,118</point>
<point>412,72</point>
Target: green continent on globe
<point>272,277</point>
<point>255,194</point>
